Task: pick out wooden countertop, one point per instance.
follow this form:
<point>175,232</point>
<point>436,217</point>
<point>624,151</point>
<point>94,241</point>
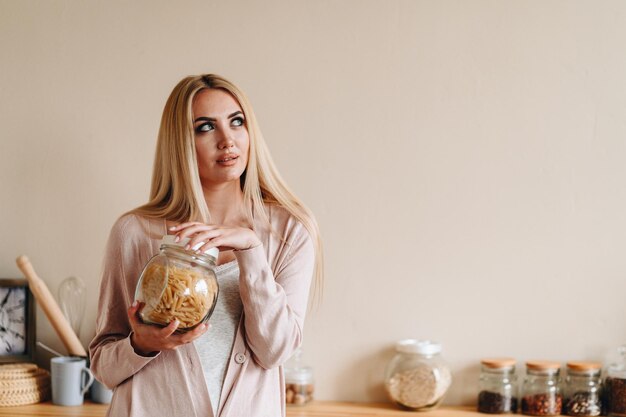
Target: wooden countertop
<point>314,409</point>
<point>346,409</point>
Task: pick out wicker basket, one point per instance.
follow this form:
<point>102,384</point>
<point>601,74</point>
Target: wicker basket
<point>22,384</point>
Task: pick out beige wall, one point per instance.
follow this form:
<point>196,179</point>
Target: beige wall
<point>465,160</point>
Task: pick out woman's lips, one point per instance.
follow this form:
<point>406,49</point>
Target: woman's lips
<point>228,160</point>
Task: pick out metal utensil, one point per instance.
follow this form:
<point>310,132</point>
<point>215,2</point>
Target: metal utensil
<point>49,349</point>
<point>72,301</point>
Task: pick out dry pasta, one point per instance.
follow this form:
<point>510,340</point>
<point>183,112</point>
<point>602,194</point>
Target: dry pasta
<point>188,295</point>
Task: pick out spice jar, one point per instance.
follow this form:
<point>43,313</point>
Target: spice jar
<point>417,377</point>
<point>498,386</point>
<point>582,389</point>
<point>540,391</point>
<point>299,385</point>
<point>178,284</point>
<point>615,386</point>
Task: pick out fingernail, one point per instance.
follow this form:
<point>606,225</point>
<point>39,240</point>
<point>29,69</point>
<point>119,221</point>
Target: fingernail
<point>173,228</point>
<point>134,303</point>
<point>177,239</point>
<point>187,247</point>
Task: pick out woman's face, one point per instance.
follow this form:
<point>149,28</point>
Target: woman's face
<point>221,137</point>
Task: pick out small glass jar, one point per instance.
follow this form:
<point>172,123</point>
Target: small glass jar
<point>498,386</point>
<point>417,377</point>
<point>615,386</point>
<point>299,386</point>
<point>178,284</point>
<point>582,389</point>
<point>541,395</point>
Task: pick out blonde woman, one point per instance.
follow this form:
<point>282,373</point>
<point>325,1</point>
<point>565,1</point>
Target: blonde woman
<point>213,182</point>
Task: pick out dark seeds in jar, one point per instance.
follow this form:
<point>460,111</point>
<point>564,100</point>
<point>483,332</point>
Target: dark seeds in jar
<point>542,405</point>
<point>583,404</point>
<point>495,403</point>
<point>616,396</point>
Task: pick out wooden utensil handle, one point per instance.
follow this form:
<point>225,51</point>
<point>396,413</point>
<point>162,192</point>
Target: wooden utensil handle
<point>51,308</point>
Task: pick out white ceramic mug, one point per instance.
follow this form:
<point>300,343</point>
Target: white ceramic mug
<point>100,393</point>
<point>70,380</point>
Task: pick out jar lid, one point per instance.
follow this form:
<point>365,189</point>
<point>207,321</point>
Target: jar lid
<point>542,365</point>
<point>421,347</point>
<point>303,375</point>
<point>169,240</point>
<point>498,363</point>
<point>584,366</point>
<point>618,369</point>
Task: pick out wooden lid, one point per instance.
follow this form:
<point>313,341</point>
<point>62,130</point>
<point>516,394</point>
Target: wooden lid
<point>498,363</point>
<point>584,366</point>
<point>542,365</point>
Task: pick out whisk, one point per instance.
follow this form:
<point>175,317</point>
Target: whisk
<point>72,301</point>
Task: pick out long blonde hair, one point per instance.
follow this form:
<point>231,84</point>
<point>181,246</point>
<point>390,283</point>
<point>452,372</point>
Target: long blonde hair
<point>176,192</point>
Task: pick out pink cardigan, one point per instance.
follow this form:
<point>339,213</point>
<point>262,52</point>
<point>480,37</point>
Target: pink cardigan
<point>274,283</point>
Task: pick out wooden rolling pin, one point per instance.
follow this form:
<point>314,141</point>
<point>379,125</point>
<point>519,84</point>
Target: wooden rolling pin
<point>51,308</point>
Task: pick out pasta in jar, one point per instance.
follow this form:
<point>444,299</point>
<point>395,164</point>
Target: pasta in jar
<point>178,285</point>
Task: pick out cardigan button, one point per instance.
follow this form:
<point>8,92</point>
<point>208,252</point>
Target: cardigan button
<point>240,358</point>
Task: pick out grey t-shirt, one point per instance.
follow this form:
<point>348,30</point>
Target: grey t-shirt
<point>214,347</point>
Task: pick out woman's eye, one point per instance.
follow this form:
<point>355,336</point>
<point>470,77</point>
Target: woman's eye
<point>237,121</point>
<point>205,127</point>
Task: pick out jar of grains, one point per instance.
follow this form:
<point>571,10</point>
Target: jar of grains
<point>541,395</point>
<point>417,377</point>
<point>615,386</point>
<point>582,389</point>
<point>299,385</point>
<point>498,386</point>
<point>178,284</point>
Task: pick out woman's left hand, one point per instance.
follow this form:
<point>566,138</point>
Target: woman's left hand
<point>216,236</point>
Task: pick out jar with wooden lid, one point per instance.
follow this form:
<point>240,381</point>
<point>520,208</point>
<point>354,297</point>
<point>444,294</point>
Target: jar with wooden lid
<point>498,386</point>
<point>417,377</point>
<point>178,284</point>
<point>582,389</point>
<point>615,385</point>
<point>541,395</point>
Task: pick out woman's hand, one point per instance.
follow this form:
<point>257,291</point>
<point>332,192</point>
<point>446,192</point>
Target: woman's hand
<point>216,236</point>
<point>147,339</point>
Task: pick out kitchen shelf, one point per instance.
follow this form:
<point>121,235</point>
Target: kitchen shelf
<point>350,409</point>
<point>314,409</point>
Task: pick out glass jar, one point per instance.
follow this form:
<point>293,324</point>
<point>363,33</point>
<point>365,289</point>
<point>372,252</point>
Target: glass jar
<point>498,386</point>
<point>178,284</point>
<point>417,377</point>
<point>299,385</point>
<point>541,395</point>
<point>615,385</point>
<point>582,389</point>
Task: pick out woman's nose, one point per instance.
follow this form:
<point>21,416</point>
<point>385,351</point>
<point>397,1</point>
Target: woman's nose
<point>226,141</point>
<point>226,144</point>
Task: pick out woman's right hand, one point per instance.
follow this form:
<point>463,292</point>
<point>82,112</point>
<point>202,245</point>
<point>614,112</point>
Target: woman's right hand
<point>148,340</point>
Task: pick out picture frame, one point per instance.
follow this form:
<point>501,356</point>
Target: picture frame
<point>17,321</point>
